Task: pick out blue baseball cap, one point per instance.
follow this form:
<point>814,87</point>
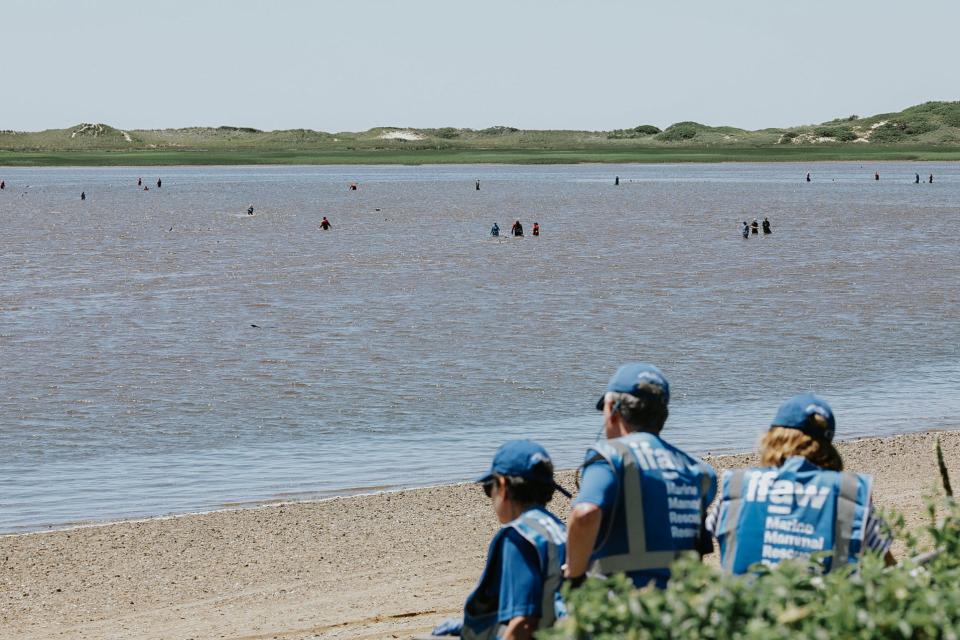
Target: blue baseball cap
<point>638,379</point>
<point>796,412</point>
<point>519,458</point>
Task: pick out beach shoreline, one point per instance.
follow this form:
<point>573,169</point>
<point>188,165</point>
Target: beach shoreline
<point>386,564</point>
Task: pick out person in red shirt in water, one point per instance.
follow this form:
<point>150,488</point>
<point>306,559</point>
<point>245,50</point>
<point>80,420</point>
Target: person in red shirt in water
<point>536,228</point>
<point>325,224</point>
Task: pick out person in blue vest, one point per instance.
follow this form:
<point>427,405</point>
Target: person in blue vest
<point>519,590</point>
<point>800,501</point>
<point>495,230</point>
<point>642,501</point>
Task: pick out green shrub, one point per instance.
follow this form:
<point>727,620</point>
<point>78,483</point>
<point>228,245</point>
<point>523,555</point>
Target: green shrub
<point>448,133</point>
<point>497,130</point>
<point>239,129</point>
<point>840,134</point>
<point>637,132</point>
<point>680,131</point>
<point>788,137</point>
<point>897,130</point>
<point>647,130</point>
<point>792,601</point>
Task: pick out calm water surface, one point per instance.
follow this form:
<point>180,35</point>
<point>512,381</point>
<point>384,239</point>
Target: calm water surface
<point>404,345</point>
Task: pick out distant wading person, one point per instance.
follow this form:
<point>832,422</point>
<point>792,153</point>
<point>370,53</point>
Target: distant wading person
<point>517,229</point>
<point>766,226</point>
<point>495,230</point>
<point>83,195</point>
<point>139,182</point>
<point>536,228</point>
<point>931,179</point>
<point>745,230</point>
<point>250,210</point>
<point>3,185</point>
<point>808,176</point>
<point>325,224</point>
<point>876,175</point>
<point>642,501</point>
<point>519,590</point>
<point>916,179</point>
<point>754,227</point>
<point>616,181</point>
<point>159,183</point>
<point>800,501</point>
<point>478,184</point>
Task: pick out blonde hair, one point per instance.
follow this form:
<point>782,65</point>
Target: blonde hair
<point>779,443</point>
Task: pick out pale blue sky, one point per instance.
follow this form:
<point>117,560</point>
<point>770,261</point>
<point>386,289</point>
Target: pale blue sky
<point>352,65</point>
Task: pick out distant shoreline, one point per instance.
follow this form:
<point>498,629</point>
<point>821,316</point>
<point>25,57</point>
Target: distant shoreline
<point>660,155</point>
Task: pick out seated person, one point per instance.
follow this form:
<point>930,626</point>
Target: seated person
<point>800,502</point>
<point>519,590</point>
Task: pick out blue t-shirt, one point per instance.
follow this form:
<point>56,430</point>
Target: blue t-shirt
<point>517,579</point>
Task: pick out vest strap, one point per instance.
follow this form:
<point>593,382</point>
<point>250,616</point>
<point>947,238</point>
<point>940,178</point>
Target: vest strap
<point>551,572</point>
<point>843,523</point>
<point>637,557</point>
<point>735,501</point>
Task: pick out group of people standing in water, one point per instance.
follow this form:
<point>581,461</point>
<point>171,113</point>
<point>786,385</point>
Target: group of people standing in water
<point>516,230</point>
<point>642,503</point>
<point>754,228</point>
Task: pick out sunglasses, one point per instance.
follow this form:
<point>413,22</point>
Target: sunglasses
<point>488,486</point>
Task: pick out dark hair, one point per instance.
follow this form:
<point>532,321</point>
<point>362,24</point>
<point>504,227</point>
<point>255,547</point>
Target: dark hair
<point>645,411</point>
<point>529,491</point>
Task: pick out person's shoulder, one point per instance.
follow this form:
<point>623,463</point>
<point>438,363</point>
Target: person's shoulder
<point>692,460</point>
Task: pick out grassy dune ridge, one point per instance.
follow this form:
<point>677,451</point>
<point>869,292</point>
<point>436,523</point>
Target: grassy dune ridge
<point>930,131</point>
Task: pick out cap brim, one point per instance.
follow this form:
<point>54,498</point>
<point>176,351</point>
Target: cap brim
<point>484,477</point>
<point>600,402</point>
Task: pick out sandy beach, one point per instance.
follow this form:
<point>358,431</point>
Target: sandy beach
<point>387,565</point>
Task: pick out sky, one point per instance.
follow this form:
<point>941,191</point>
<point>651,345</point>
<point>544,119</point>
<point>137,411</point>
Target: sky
<point>552,64</point>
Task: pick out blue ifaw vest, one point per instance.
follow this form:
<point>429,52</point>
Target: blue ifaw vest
<point>663,495</point>
<point>548,536</point>
<point>772,514</point>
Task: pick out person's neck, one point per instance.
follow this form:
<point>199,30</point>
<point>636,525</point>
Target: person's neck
<point>516,509</point>
<point>650,431</point>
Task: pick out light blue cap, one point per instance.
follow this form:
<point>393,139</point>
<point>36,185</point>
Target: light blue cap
<point>796,412</point>
<point>520,458</point>
<point>639,379</point>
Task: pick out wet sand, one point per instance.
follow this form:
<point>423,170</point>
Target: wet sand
<point>388,565</point>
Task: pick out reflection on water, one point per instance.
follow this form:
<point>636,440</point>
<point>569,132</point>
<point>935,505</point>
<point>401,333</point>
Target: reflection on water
<point>401,347</point>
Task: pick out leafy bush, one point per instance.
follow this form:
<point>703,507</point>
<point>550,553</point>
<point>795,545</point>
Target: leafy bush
<point>788,137</point>
<point>680,131</point>
<point>897,130</point>
<point>840,134</point>
<point>647,130</point>
<point>448,133</point>
<point>239,129</point>
<point>498,130</point>
<point>792,601</point>
<point>637,132</point>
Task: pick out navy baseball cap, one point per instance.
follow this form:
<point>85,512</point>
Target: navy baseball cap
<point>638,379</point>
<point>519,458</point>
<point>796,412</point>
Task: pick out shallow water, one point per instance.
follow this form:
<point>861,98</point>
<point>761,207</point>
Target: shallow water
<point>401,347</point>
